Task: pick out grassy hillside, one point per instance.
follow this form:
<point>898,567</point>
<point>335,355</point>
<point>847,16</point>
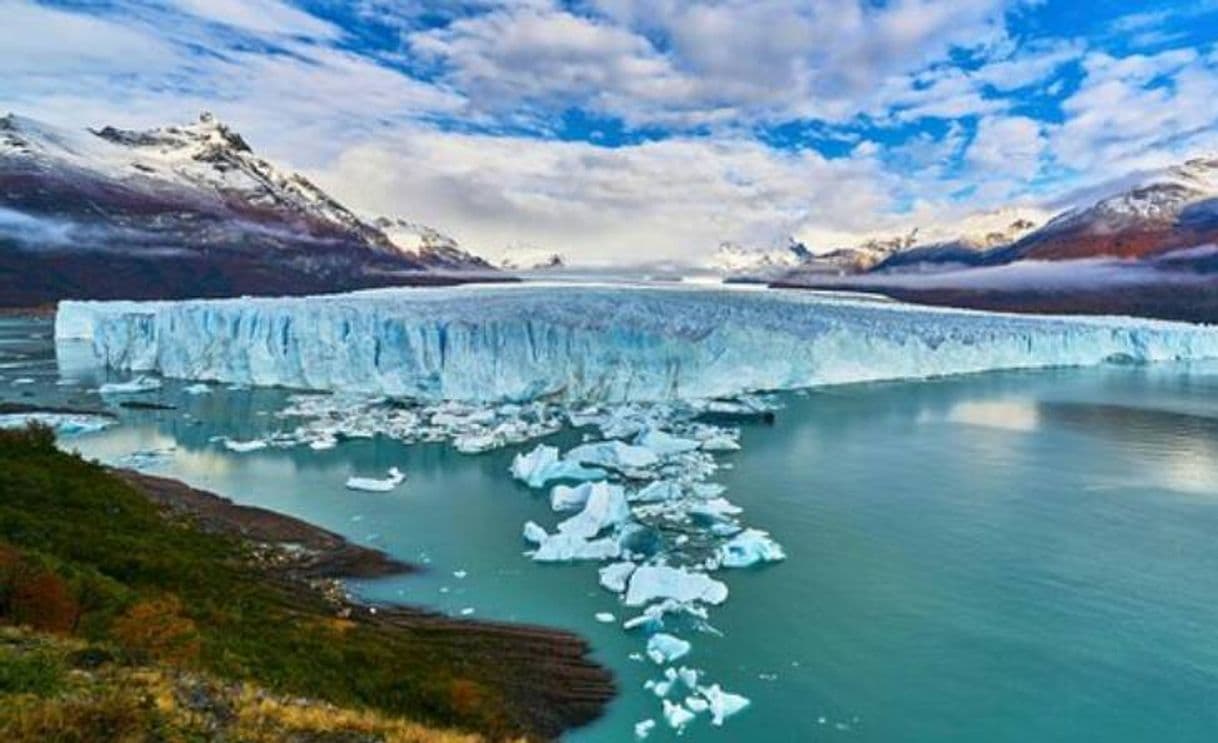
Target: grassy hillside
<point>86,558</point>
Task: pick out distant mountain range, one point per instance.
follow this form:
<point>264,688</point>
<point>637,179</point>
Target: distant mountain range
<point>1161,213</point>
<point>188,211</point>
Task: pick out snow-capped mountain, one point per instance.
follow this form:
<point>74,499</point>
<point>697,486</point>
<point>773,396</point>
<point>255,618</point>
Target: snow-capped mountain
<point>1167,210</point>
<point>428,245</point>
<point>183,211</point>
<point>527,258</point>
<point>734,260</point>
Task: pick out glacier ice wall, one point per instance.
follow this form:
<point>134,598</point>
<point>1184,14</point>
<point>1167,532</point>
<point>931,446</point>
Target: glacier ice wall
<point>593,342</point>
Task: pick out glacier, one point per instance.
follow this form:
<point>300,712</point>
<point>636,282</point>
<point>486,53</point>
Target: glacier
<point>599,343</point>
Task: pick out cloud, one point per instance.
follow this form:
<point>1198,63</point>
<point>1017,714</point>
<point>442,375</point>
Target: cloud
<point>676,198</point>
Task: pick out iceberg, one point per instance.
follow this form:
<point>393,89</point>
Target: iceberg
<point>593,343</point>
<point>665,444</point>
<point>613,577</point>
<point>566,547</point>
<point>606,507</point>
<point>676,715</point>
<point>613,455</point>
<point>130,387</point>
<point>750,547</point>
<point>657,492</point>
<point>722,704</point>
<point>664,648</point>
<point>651,582</point>
<point>542,465</point>
<point>242,447</point>
<point>566,498</point>
<point>643,728</point>
<point>373,485</point>
<point>534,534</point>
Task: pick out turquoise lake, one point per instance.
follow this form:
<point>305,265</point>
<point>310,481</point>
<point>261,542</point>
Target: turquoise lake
<point>1023,556</point>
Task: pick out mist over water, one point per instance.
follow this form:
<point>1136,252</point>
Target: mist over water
<point>999,557</point>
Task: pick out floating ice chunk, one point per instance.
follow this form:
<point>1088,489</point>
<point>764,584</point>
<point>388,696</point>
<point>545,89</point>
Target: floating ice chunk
<point>64,424</point>
<point>563,547</point>
<point>467,611</point>
<point>242,447</point>
<point>534,533</point>
<point>689,677</point>
<point>133,386</point>
<point>566,498</point>
<point>721,442</point>
<point>651,582</point>
<point>614,577</point>
<point>606,506</point>
<point>664,648</point>
<point>697,705</point>
<point>750,547</point>
<point>715,508</point>
<point>605,617</point>
<point>643,729</point>
<point>665,444</point>
<point>530,467</point>
<point>613,455</point>
<point>676,715</point>
<point>373,485</point>
<point>459,574</point>
<point>540,466</point>
<point>23,380</point>
<point>476,443</point>
<point>323,444</point>
<point>722,704</point>
<point>657,492</point>
<point>197,389</point>
<point>708,490</point>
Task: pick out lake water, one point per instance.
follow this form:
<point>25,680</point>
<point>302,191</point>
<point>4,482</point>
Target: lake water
<point>1024,556</point>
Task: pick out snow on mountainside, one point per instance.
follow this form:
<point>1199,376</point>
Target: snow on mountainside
<point>1167,210</point>
<point>181,211</point>
<point>735,260</point>
<point>526,258</point>
<point>428,245</point>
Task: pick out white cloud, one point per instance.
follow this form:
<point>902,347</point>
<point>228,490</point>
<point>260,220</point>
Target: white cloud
<point>265,16</point>
<point>672,199</point>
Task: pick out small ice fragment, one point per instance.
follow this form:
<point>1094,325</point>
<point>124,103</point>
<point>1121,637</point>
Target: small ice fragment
<point>676,715</point>
<point>644,728</point>
<point>459,574</point>
<point>533,533</point>
<point>657,492</point>
<point>697,704</point>
<point>689,677</point>
<point>750,547</point>
<point>722,704</point>
<point>605,617</point>
<point>373,485</point>
<point>467,611</point>
<point>242,447</point>
<point>23,380</point>
<point>614,455</point>
<point>133,386</point>
<point>197,389</point>
<point>614,577</point>
<point>665,444</point>
<point>721,442</point>
<point>663,648</point>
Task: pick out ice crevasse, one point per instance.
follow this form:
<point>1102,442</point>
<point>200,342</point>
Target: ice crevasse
<point>593,343</point>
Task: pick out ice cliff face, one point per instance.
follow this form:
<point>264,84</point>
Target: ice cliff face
<point>593,342</point>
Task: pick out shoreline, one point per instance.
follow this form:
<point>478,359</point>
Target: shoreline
<point>547,674</point>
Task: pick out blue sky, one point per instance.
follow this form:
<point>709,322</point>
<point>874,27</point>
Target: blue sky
<point>636,129</point>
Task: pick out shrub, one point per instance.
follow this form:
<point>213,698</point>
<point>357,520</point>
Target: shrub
<point>156,630</point>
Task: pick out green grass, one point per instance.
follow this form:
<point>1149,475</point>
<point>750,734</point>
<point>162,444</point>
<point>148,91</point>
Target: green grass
<point>108,568</point>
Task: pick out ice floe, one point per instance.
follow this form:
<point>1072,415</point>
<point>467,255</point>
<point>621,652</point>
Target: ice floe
<point>394,478</point>
<point>651,582</point>
<point>664,648</point>
<point>750,547</point>
<point>130,387</point>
